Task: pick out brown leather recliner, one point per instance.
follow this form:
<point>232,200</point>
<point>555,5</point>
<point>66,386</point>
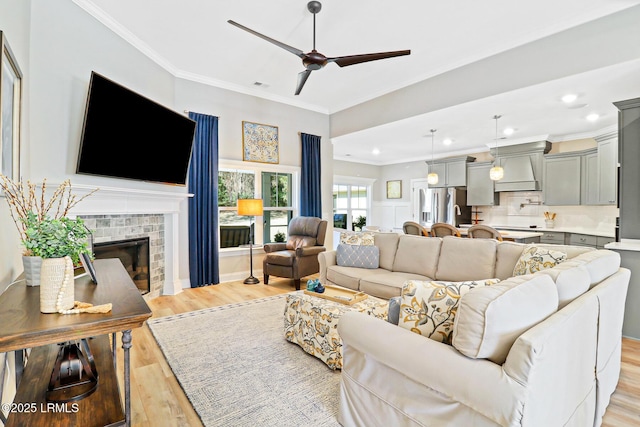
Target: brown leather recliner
<point>298,257</point>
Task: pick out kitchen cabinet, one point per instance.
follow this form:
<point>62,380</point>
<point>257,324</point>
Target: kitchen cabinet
<point>629,138</point>
<point>587,177</point>
<point>582,240</point>
<point>589,191</point>
<point>553,237</point>
<point>607,169</point>
<point>562,176</point>
<point>480,188</point>
<point>452,172</point>
<point>601,241</point>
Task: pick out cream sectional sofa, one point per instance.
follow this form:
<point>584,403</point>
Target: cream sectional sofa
<point>516,359</point>
<point>406,257</point>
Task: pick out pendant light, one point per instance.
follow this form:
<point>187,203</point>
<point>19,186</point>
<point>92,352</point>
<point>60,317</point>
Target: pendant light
<point>496,173</point>
<point>432,178</point>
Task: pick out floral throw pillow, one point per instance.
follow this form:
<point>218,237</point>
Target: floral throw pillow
<point>364,238</point>
<point>534,259</point>
<point>429,308</point>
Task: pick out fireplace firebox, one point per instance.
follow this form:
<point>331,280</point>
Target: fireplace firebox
<point>134,254</point>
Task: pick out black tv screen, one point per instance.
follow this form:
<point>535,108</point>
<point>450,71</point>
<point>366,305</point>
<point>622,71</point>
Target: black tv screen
<point>126,135</point>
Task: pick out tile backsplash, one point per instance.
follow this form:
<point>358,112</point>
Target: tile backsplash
<point>522,209</point>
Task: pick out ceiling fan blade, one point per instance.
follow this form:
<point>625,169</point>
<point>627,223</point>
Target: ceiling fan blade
<point>286,47</point>
<point>302,79</point>
<point>343,61</point>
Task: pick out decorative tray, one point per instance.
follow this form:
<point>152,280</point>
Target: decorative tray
<point>338,294</point>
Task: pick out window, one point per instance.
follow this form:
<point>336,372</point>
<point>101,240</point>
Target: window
<point>351,205</point>
<point>274,184</point>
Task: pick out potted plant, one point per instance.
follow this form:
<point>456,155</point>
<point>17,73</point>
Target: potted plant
<point>279,237</point>
<point>45,230</point>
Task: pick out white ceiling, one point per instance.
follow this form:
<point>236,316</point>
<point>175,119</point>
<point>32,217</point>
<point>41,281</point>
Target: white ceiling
<point>192,40</point>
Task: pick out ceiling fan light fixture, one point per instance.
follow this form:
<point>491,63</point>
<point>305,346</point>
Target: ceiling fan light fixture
<point>315,60</point>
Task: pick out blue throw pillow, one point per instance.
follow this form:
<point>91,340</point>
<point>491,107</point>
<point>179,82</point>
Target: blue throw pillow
<point>358,256</point>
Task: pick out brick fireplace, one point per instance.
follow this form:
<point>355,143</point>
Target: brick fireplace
<point>112,228</point>
<point>114,214</point>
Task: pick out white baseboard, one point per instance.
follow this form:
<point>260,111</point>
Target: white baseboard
<point>240,275</point>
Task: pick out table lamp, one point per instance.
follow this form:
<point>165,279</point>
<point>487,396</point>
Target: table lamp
<point>252,208</point>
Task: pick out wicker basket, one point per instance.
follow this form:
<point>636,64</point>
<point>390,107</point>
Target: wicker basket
<point>52,275</point>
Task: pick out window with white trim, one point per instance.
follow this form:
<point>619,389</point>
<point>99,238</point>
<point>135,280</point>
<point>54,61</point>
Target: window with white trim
<point>351,206</point>
<point>276,185</point>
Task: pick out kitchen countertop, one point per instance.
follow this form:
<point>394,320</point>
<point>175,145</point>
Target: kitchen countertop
<point>632,245</point>
<point>577,230</point>
<point>508,234</point>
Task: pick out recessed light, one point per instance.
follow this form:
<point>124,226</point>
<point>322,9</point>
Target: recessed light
<point>508,131</point>
<point>447,141</point>
<point>375,151</point>
<point>593,117</point>
<point>569,98</point>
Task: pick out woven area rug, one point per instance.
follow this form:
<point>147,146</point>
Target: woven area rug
<point>237,369</point>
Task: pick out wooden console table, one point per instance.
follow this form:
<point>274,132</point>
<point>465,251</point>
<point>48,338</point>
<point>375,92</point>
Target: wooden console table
<point>23,326</point>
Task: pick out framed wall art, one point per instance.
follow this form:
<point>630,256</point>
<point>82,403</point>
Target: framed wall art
<point>260,143</point>
<point>394,189</point>
<point>10,97</point>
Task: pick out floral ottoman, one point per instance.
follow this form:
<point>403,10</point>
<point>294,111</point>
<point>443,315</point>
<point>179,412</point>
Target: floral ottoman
<point>312,323</point>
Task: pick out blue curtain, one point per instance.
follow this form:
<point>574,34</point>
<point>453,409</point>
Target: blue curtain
<point>203,206</point>
<point>310,186</point>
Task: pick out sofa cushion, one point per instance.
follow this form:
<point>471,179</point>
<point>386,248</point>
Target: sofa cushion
<point>571,278</point>
<point>491,318</point>
<point>364,238</point>
<point>388,244</point>
<point>428,308</point>
<point>600,264</point>
<point>507,255</point>
<point>386,284</point>
<point>349,277</point>
<point>466,259</point>
<point>358,256</point>
<point>417,254</point>
<point>534,259</point>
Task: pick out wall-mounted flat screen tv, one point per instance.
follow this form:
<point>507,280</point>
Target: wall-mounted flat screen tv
<point>126,135</point>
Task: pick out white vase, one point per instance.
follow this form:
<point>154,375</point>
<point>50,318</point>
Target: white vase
<point>549,223</point>
<point>32,266</point>
<point>54,274</point>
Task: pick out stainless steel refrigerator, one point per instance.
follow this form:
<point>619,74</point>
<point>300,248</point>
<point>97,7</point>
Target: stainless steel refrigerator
<point>447,205</point>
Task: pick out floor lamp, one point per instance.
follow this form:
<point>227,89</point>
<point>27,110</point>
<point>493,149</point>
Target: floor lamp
<point>252,208</point>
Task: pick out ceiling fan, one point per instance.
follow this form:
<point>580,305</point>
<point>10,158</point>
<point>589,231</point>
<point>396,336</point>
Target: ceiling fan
<point>315,60</point>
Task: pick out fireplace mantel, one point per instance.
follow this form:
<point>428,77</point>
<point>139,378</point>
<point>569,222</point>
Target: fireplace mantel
<point>129,201</point>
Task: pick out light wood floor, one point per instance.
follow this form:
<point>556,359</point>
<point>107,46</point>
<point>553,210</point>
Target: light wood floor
<point>158,400</point>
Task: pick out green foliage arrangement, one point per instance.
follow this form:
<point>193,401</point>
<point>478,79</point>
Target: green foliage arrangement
<point>55,238</point>
<point>360,222</point>
<point>41,219</point>
<point>279,237</point>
